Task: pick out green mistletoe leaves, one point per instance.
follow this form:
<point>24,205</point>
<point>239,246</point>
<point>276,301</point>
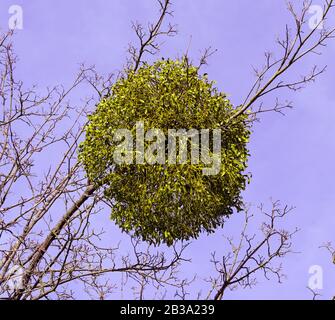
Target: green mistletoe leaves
<point>162,149</point>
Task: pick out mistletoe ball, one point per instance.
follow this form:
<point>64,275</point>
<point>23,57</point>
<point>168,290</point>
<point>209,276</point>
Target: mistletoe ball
<point>163,148</point>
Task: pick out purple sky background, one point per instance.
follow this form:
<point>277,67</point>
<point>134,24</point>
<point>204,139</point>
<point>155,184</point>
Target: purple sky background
<point>292,157</point>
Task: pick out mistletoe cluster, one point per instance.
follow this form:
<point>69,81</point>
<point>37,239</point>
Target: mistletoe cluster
<point>165,202</point>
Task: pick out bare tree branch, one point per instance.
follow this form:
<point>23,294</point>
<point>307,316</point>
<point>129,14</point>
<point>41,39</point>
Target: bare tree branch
<point>253,254</point>
<point>295,47</point>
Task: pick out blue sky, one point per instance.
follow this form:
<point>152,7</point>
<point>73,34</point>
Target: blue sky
<point>292,157</point>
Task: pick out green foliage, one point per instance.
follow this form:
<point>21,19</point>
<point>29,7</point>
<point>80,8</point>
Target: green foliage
<point>162,203</point>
